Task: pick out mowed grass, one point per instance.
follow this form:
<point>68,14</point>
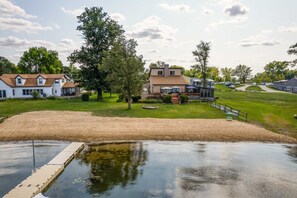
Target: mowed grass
<point>109,107</point>
<point>222,87</point>
<point>274,111</point>
<point>253,88</point>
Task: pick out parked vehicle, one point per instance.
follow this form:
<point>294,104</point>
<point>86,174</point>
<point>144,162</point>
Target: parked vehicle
<point>232,86</point>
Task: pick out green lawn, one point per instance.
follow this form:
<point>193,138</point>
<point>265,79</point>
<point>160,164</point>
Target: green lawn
<point>222,87</point>
<point>253,88</point>
<point>111,108</point>
<point>274,111</point>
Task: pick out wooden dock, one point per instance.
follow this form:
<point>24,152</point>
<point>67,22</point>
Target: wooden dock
<point>44,175</point>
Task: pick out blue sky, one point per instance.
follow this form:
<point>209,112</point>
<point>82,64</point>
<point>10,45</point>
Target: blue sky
<point>250,32</point>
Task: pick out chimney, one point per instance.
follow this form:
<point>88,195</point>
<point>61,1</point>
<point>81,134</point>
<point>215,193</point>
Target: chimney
<point>166,70</point>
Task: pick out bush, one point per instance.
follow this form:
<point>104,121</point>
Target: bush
<point>167,99</point>
<point>150,101</point>
<point>85,97</point>
<point>135,98</point>
<point>184,98</point>
<point>35,95</point>
<point>52,98</point>
<point>121,98</point>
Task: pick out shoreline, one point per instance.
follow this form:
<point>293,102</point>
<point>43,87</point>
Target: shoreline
<point>83,126</point>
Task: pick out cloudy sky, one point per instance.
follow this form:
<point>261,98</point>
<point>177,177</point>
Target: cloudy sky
<point>250,32</point>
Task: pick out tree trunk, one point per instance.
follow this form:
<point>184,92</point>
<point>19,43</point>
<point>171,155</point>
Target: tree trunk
<point>129,103</point>
<point>99,94</point>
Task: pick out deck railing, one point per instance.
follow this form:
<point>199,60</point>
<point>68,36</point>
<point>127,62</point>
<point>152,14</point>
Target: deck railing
<point>235,112</point>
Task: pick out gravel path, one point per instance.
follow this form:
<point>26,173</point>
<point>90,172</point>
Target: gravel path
<point>242,88</point>
<point>82,126</point>
<point>267,89</point>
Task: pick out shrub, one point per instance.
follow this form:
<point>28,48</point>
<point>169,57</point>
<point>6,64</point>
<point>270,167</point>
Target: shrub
<point>85,97</point>
<point>135,98</point>
<point>184,98</point>
<point>35,95</point>
<point>167,99</point>
<point>121,98</point>
<point>52,98</point>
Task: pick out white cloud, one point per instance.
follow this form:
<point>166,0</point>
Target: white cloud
<point>176,7</point>
<point>207,12</point>
<point>258,40</point>
<point>236,9</point>
<point>152,51</point>
<point>287,29</point>
<point>8,9</point>
<point>12,41</point>
<point>18,25</point>
<point>75,12</point>
<point>117,17</point>
<point>151,29</point>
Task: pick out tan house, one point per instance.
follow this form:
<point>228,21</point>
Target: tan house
<point>162,79</point>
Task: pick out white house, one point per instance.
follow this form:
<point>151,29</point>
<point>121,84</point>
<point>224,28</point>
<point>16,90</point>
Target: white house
<point>22,85</point>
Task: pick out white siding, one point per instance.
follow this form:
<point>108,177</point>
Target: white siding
<point>57,88</point>
<point>7,88</point>
<point>19,91</point>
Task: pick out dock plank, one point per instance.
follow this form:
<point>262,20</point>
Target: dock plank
<point>44,175</point>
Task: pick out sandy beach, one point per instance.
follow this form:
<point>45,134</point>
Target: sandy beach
<point>83,126</point>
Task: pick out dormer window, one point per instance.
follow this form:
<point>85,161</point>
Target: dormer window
<point>172,73</point>
<point>19,81</point>
<point>160,73</point>
<point>40,81</point>
<point>57,81</point>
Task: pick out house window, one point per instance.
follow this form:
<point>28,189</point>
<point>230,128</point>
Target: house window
<point>40,81</point>
<point>13,92</point>
<point>19,81</point>
<point>63,80</point>
<point>2,94</point>
<point>55,91</point>
<point>160,73</point>
<point>57,81</point>
<point>172,73</point>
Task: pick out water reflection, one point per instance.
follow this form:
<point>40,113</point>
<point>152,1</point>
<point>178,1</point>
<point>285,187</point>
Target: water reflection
<point>113,164</point>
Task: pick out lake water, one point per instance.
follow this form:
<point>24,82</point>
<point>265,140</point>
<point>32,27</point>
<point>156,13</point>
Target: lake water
<point>180,169</point>
<point>16,160</point>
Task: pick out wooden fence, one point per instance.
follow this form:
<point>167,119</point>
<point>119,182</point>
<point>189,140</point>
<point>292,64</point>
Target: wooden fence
<point>235,112</point>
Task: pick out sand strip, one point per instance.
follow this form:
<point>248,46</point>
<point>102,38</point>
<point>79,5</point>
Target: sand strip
<point>82,126</point>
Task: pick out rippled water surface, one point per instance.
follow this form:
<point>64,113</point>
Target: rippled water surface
<point>16,161</point>
<point>180,169</point>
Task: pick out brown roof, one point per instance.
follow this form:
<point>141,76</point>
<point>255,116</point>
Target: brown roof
<point>171,80</point>
<point>69,85</point>
<point>31,79</point>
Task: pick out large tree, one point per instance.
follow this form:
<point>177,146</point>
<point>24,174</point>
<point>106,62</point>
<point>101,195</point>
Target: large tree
<point>157,64</point>
<point>243,72</point>
<point>7,67</point>
<point>125,68</point>
<point>71,71</point>
<point>227,74</point>
<point>276,70</point>
<point>99,33</point>
<point>201,56</point>
<point>213,73</point>
<point>40,60</point>
<point>293,51</point>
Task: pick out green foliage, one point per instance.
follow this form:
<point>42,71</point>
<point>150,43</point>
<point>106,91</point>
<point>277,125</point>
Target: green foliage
<point>7,67</point>
<point>71,71</point>
<point>35,95</point>
<point>227,73</point>
<point>276,70</point>
<point>167,99</point>
<point>85,97</point>
<point>213,73</point>
<point>40,60</point>
<point>242,72</point>
<point>192,73</point>
<point>51,98</point>
<point>201,56</point>
<point>125,69</point>
<point>99,33</point>
<point>184,98</point>
<point>293,51</point>
<point>150,101</point>
<point>158,64</point>
<point>135,99</point>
